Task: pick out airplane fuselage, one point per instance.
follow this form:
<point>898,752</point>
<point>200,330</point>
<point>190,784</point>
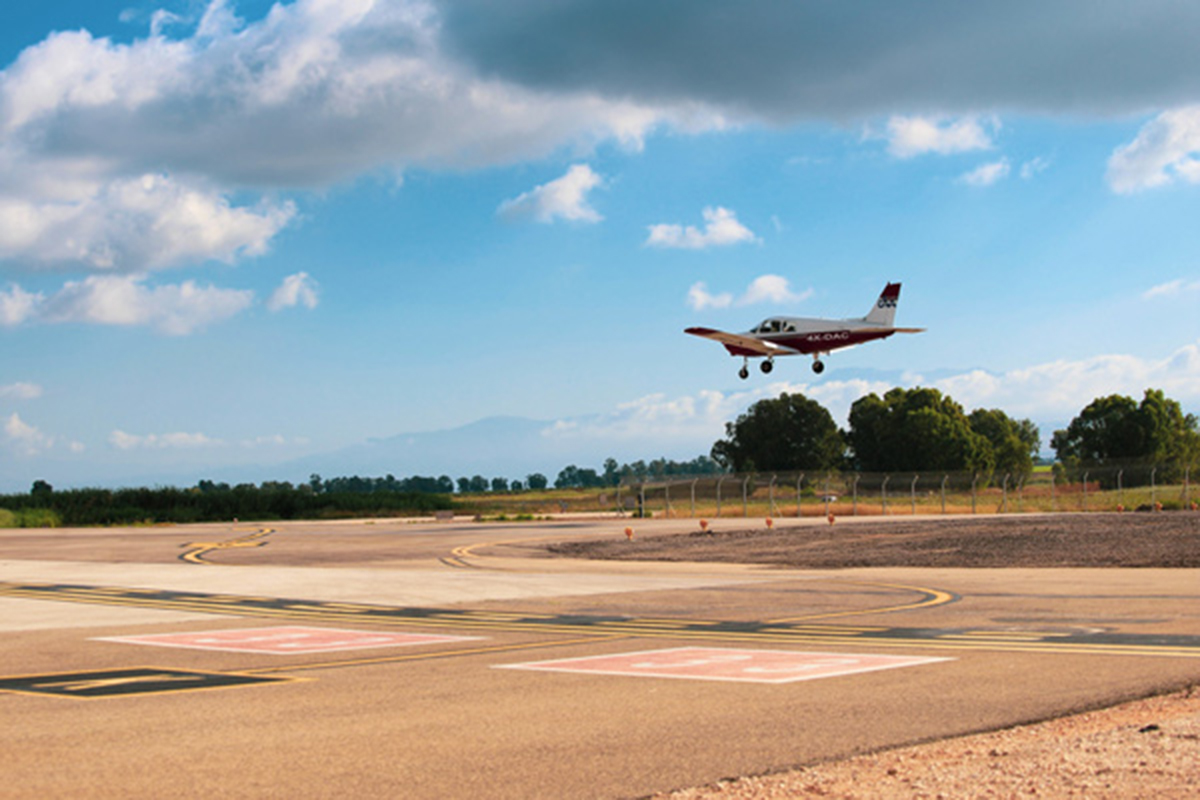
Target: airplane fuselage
<point>806,336</point>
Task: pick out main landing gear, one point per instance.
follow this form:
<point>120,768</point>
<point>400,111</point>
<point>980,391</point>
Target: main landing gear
<point>818,365</point>
<point>766,367</point>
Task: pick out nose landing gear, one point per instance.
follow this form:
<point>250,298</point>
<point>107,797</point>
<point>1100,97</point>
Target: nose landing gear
<point>744,372</point>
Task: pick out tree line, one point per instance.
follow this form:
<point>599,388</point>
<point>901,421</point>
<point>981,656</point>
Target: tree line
<point>921,429</point>
<point>208,502</point>
<point>905,430</point>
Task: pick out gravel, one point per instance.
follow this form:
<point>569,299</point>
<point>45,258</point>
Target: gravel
<point>1167,539</point>
<point>1148,748</point>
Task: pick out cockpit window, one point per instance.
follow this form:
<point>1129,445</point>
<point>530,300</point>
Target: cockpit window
<point>774,326</point>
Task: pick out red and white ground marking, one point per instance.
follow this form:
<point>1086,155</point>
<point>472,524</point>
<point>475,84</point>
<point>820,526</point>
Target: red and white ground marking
<point>722,664</point>
<point>286,640</point>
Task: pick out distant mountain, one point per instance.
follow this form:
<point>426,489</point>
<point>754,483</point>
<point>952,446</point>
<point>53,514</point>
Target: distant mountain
<point>508,447</point>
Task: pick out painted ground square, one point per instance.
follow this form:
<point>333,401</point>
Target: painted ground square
<point>724,664</point>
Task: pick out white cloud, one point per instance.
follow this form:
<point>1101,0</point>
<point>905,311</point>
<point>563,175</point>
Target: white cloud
<point>699,297</point>
<point>25,439</point>
<point>562,198</point>
<point>21,391</point>
<point>17,306</point>
<point>1033,167</point>
<point>721,228</point>
<point>1059,389</point>
<point>1166,149</point>
<point>298,289</point>
<point>914,136</point>
<point>165,441</point>
<point>763,289</point>
<point>1173,288</point>
<point>771,289</point>
<point>174,309</point>
<point>986,174</point>
<point>133,225</point>
<point>274,441</point>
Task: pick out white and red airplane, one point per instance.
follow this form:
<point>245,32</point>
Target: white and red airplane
<point>793,336</point>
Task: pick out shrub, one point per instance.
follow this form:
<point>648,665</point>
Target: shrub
<point>38,518</point>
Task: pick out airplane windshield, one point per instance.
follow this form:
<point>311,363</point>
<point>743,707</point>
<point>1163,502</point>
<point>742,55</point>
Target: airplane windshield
<point>774,326</point>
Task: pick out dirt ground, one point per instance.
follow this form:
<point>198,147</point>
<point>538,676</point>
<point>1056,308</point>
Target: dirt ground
<point>1148,748</point>
<point>1167,539</point>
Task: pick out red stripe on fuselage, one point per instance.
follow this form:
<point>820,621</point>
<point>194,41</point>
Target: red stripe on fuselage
<point>817,342</point>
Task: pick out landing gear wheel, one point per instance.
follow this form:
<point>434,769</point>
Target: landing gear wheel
<point>743,373</point>
<point>818,367</point>
<point>767,366</point>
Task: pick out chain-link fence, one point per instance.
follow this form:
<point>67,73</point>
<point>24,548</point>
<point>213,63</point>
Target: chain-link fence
<point>795,494</point>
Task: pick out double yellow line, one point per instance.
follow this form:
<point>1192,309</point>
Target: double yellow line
<point>201,549</point>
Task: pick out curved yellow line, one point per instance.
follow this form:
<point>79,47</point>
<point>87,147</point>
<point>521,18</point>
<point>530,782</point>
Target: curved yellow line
<point>931,599</point>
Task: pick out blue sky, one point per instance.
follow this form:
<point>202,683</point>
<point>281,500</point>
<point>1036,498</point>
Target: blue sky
<point>234,236</point>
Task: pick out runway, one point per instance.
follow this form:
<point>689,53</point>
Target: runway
<point>433,660</point>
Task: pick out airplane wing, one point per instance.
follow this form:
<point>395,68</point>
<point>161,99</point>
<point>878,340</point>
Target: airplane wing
<point>740,345</point>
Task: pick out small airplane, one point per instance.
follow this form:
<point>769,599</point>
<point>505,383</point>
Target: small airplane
<point>791,336</point>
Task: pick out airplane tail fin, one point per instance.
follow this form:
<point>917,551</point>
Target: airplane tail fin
<point>884,310</point>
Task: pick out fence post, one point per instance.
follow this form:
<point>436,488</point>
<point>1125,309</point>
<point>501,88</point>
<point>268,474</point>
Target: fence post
<point>719,482</point>
<point>1004,491</point>
<point>1084,499</point>
<point>826,496</point>
<point>642,501</point>
<point>913,494</point>
<point>745,505</point>
<point>772,495</point>
<point>944,479</point>
<point>694,482</point>
<point>1186,487</point>
<point>799,484</point>
<point>883,492</point>
<point>1053,494</point>
<point>974,480</point>
<point>854,489</point>
<point>667,496</point>
<point>1120,488</point>
<point>1153,489</point>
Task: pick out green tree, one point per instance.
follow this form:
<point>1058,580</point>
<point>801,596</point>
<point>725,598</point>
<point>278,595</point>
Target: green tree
<point>1116,430</point>
<point>1014,442</point>
<point>536,481</point>
<point>790,432</point>
<point>915,430</point>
